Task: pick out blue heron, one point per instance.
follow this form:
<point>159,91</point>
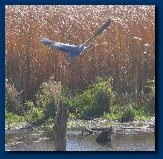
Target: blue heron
<point>73,50</point>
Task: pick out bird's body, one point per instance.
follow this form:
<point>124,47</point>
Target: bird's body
<point>72,49</point>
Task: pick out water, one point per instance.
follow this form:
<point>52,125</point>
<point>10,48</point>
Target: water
<point>43,140</point>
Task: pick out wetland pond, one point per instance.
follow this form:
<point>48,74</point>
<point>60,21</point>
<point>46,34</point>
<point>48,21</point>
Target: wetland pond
<point>42,139</point>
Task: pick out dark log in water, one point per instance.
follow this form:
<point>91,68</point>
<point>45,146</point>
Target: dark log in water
<point>89,118</point>
<point>90,131</point>
<point>96,130</point>
<point>28,128</point>
<point>100,128</point>
<point>104,135</point>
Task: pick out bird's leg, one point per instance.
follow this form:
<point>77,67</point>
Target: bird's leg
<point>72,61</point>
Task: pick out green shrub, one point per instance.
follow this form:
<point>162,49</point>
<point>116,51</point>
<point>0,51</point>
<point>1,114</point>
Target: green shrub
<point>95,100</point>
<point>12,99</point>
<point>35,116</point>
<point>48,97</point>
<point>12,120</point>
<point>128,113</point>
<point>28,106</point>
<point>146,101</point>
<point>123,99</point>
<point>103,100</point>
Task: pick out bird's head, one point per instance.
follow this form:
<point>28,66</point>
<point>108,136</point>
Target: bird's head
<point>94,45</point>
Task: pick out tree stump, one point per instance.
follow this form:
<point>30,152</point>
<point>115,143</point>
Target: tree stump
<point>104,135</point>
<point>60,126</point>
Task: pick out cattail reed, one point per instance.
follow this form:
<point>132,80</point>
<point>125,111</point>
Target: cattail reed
<point>126,49</point>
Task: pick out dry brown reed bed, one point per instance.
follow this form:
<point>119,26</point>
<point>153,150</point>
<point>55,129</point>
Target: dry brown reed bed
<point>126,49</point>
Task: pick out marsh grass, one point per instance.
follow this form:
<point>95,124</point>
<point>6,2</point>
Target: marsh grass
<point>13,102</point>
<point>126,50</point>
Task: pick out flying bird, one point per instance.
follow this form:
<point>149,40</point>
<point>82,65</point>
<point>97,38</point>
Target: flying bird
<point>73,50</point>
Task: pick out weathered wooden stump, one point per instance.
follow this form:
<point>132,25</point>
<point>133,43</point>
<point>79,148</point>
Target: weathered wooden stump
<point>60,126</point>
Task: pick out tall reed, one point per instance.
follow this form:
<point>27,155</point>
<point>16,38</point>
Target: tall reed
<point>126,49</point>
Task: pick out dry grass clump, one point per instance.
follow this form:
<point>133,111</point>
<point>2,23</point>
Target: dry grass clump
<point>126,49</point>
<point>12,99</point>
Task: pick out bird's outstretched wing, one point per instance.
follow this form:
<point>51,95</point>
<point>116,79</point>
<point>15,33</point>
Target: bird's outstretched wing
<point>101,29</point>
<point>59,46</point>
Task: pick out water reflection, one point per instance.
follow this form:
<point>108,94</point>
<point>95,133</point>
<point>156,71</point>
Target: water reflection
<point>134,142</point>
<point>86,143</point>
<point>42,140</point>
<point>24,140</point>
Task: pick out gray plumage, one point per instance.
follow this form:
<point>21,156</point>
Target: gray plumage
<point>73,50</point>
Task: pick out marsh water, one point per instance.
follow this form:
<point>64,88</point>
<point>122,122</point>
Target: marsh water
<point>41,139</point>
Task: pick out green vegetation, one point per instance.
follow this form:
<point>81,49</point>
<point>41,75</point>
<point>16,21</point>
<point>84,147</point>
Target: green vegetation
<point>98,101</point>
<point>12,120</point>
<point>12,99</point>
<point>94,101</point>
<point>45,108</point>
<point>48,97</point>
